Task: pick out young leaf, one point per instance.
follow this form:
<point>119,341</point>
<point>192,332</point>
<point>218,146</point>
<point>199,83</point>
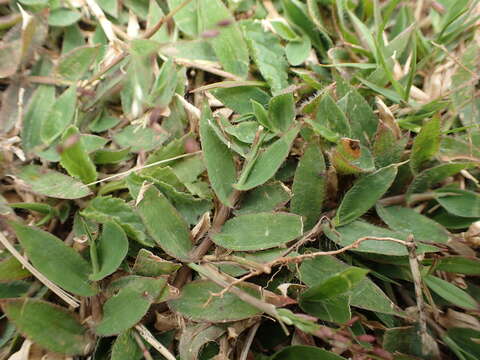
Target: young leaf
<point>269,161</point>
<point>60,115</point>
<point>112,247</point>
<point>450,292</point>
<point>364,194</point>
<point>265,198</point>
<point>309,185</point>
<point>48,325</point>
<point>228,44</point>
<point>239,98</point>
<point>104,209</point>
<point>218,159</point>
<point>281,112</point>
<point>366,295</point>
<point>302,352</point>
<point>74,157</point>
<point>226,308</point>
<point>347,234</point>
<point>52,183</point>
<point>147,264</point>
<point>54,259</point>
<point>164,224</point>
<point>125,347</point>
<point>427,178</point>
<point>408,221</point>
<point>186,19</point>
<point>74,64</point>
<point>268,54</point>
<point>335,285</point>
<point>460,202</point>
<point>125,309</point>
<point>36,115</point>
<point>426,144</point>
<point>259,231</point>
<point>387,149</point>
<point>335,309</point>
<point>12,269</point>
<point>63,17</point>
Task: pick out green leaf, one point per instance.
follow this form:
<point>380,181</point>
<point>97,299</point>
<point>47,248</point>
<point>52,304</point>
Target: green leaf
<point>281,112</point>
<point>226,308</point>
<point>148,264</point>
<point>39,106</point>
<point>218,159</point>
<point>193,338</point>
<point>363,121</point>
<point>456,264</point>
<point>125,347</point>
<point>74,64</point>
<point>426,144</point>
<point>60,116</point>
<point>74,157</point>
<point>366,295</point>
<point>111,247</point>
<point>331,117</point>
<point>63,17</point>
<point>14,289</point>
<point>48,325</point>
<point>450,292</point>
<point>347,234</point>
<point>104,209</point>
<point>164,224</point>
<point>239,98</point>
<point>268,54</point>
<point>302,352</point>
<point>387,149</point>
<point>125,309</point>
<point>229,45</point>
<point>12,269</point>
<point>298,51</point>
<point>54,259</point>
<point>326,300</point>
<point>408,221</point>
<point>187,18</point>
<point>309,186</point>
<point>269,161</point>
<point>335,285</point>
<point>427,178</point>
<point>335,309</point>
<point>139,139</point>
<point>105,156</point>
<point>265,198</point>
<point>460,202</point>
<point>52,183</point>
<point>364,194</point>
<point>259,231</point>
<point>164,86</point>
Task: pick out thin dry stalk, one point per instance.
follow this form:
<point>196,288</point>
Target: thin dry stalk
<point>149,338</point>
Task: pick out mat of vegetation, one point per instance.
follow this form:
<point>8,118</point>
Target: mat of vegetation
<point>239,179</point>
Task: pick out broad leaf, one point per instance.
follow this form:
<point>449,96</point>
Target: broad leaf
<point>54,259</point>
<point>164,224</point>
<point>229,45</point>
<point>125,347</point>
<point>52,183</point>
<point>74,64</point>
<point>408,221</point>
<point>259,231</point>
<point>302,352</point>
<point>268,54</point>
<point>48,325</point>
<point>125,309</point>
<point>451,293</point>
<point>103,209</point>
<point>426,144</point>
<point>218,159</point>
<point>269,161</point>
<point>459,202</point>
<point>364,194</point>
<point>111,247</point>
<point>265,198</point>
<point>228,307</point>
<point>74,157</point>
<point>309,185</point>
